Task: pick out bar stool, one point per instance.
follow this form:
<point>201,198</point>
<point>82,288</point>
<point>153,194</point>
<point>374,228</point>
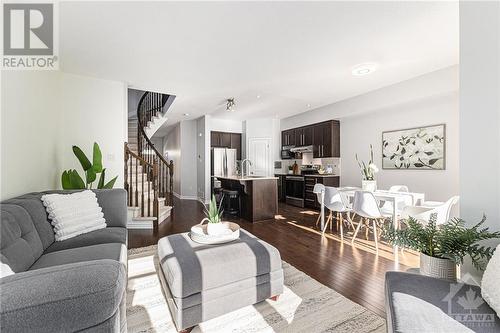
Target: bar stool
<point>230,196</point>
<point>218,193</point>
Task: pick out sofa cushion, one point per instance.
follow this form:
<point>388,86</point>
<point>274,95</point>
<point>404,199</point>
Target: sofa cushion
<point>19,240</point>
<point>64,298</point>
<point>34,207</point>
<point>114,251</point>
<point>101,236</point>
<point>438,294</point>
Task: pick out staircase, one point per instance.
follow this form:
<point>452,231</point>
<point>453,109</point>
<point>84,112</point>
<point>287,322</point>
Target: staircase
<point>148,176</point>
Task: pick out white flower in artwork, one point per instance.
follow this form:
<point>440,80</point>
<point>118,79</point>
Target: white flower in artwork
<point>373,168</point>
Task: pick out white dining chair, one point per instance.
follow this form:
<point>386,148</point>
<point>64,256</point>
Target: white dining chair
<point>336,203</point>
<point>424,212</point>
<point>319,190</point>
<point>366,206</point>
<point>387,207</point>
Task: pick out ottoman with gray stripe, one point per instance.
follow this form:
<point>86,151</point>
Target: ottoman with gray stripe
<point>202,282</point>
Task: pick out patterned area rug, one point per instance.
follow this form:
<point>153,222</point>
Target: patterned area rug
<point>305,306</point>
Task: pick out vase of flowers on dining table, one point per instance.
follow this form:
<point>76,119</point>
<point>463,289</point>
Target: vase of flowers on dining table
<point>368,171</point>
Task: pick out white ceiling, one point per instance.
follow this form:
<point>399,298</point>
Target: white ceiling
<point>290,53</point>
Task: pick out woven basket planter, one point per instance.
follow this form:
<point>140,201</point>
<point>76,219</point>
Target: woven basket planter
<point>438,267</point>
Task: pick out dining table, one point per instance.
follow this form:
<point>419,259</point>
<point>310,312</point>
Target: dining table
<point>386,196</point>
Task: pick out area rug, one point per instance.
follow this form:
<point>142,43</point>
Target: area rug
<point>305,306</point>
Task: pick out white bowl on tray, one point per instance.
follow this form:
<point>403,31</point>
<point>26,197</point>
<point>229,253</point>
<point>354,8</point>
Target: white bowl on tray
<point>200,235</point>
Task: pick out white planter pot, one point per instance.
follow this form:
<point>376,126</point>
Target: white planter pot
<point>369,185</point>
<point>216,229</point>
<point>438,267</point>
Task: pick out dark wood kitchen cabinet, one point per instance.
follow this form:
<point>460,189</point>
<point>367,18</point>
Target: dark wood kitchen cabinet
<point>326,139</point>
<point>226,140</point>
<point>236,144</point>
<point>304,136</point>
<point>288,138</point>
<point>310,198</point>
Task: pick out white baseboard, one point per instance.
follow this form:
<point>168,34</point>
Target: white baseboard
<point>185,197</point>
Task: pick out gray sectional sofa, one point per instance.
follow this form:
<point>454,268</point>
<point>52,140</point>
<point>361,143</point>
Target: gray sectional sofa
<point>74,285</point>
<point>417,303</point>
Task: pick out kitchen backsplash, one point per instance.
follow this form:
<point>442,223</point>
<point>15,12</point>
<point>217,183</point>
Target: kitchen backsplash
<point>308,159</point>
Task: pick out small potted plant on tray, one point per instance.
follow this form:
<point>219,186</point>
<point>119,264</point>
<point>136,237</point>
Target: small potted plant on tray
<point>213,214</point>
<point>443,247</point>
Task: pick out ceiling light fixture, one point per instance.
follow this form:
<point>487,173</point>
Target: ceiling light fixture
<point>308,105</point>
<point>186,114</point>
<point>258,96</point>
<point>230,105</point>
<point>364,69</point>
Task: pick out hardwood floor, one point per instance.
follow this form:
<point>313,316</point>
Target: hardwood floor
<point>356,272</point>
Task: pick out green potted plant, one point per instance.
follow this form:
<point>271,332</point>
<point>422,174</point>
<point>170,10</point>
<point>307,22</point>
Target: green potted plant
<point>215,226</point>
<point>368,171</point>
<point>443,247</point>
<point>71,179</point>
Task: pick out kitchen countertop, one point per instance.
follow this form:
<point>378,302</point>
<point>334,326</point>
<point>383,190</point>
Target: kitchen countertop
<point>308,175</point>
<point>245,178</point>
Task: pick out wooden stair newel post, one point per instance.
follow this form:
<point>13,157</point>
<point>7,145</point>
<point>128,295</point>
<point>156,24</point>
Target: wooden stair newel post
<point>126,157</point>
<point>171,183</point>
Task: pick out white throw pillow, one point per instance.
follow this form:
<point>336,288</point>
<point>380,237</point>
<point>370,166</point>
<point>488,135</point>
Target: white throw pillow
<point>490,289</point>
<point>73,214</point>
<point>5,270</point>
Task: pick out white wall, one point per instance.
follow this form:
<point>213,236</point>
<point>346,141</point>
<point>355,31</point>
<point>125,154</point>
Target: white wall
<point>188,159</point>
<point>92,111</point>
<point>226,125</point>
<point>425,100</point>
<point>172,146</point>
<point>44,114</point>
<point>480,113</point>
<point>29,132</point>
<point>203,158</point>
<point>358,132</point>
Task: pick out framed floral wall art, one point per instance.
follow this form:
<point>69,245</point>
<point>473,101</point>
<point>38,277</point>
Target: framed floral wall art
<point>421,148</point>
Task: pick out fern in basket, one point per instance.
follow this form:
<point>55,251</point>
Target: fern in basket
<point>452,240</point>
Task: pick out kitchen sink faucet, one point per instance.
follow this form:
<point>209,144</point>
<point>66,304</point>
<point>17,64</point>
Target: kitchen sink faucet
<point>243,166</point>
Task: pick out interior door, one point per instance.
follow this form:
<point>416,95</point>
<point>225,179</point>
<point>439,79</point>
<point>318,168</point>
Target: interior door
<point>259,154</point>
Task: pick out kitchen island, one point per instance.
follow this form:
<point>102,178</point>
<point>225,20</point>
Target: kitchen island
<point>259,195</point>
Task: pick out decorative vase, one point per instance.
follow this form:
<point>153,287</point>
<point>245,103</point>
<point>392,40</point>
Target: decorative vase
<point>369,185</point>
<point>216,229</point>
<point>438,267</point>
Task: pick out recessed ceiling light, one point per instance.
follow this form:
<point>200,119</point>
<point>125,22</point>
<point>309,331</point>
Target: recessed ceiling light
<point>308,105</point>
<point>364,69</point>
<point>186,114</point>
<point>258,96</point>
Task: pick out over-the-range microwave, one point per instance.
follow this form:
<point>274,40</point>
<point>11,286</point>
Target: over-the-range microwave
<point>286,154</point>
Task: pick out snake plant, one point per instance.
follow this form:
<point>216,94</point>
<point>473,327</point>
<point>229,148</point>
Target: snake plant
<point>71,179</point>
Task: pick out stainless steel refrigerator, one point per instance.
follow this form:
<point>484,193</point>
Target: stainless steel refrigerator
<point>223,162</point>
